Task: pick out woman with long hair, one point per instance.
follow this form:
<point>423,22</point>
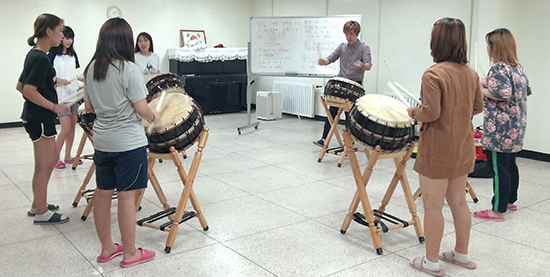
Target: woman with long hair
<point>65,61</point>
<point>147,61</point>
<point>115,92</point>
<point>451,96</point>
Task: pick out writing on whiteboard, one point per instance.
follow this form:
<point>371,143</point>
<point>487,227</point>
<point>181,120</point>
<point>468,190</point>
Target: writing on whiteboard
<point>285,44</point>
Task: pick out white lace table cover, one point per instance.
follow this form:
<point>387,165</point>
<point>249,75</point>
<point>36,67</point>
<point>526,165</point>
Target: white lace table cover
<point>207,55</point>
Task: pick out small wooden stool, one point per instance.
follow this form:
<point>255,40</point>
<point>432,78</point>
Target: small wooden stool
<point>343,106</point>
<point>373,218</point>
<point>176,215</point>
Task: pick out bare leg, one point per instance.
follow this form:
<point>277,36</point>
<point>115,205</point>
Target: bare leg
<point>45,157</point>
<point>433,196</point>
<point>65,122</point>
<point>456,198</point>
<point>70,137</point>
<point>127,224</point>
<point>102,219</point>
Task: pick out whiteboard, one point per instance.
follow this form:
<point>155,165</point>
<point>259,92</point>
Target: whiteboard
<point>291,46</point>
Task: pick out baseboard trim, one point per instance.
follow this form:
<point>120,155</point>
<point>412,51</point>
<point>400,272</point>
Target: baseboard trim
<point>11,124</point>
<point>534,155</point>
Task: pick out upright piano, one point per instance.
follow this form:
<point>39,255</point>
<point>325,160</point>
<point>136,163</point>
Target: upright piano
<point>215,77</point>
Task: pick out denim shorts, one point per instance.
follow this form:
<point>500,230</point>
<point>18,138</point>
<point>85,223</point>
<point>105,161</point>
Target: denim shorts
<point>72,110</point>
<point>37,130</point>
<point>122,171</point>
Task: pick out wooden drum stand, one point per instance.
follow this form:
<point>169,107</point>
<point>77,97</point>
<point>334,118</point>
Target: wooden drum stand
<point>82,191</point>
<point>373,218</point>
<point>176,215</point>
<point>344,106</point>
<point>86,135</point>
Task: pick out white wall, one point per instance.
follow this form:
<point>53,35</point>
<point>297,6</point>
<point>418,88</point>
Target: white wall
<point>529,23</point>
<point>397,31</point>
<point>225,22</point>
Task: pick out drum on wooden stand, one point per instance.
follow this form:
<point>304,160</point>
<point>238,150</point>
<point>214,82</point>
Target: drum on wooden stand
<point>168,82</point>
<point>85,119</point>
<point>381,120</point>
<point>180,125</point>
<point>341,89</point>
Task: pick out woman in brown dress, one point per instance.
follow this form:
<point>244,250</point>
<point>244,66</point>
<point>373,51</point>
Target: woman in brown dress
<point>451,96</point>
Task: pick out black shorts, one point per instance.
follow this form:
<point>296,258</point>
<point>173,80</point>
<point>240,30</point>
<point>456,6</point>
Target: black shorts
<point>37,130</point>
<point>122,171</point>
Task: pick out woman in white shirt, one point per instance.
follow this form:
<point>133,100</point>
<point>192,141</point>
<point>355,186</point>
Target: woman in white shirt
<point>65,62</point>
<point>147,61</point>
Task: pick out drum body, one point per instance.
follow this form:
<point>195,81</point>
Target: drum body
<point>381,120</point>
<point>168,81</point>
<point>180,125</point>
<point>341,89</point>
<point>85,119</point>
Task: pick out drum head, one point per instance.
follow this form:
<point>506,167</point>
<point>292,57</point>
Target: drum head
<point>175,108</point>
<point>180,125</point>
<point>384,108</point>
<point>81,109</point>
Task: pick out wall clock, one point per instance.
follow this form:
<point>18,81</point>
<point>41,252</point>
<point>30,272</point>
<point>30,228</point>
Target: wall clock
<point>114,11</point>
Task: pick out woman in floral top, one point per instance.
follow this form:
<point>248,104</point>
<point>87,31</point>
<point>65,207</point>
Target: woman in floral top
<point>505,116</point>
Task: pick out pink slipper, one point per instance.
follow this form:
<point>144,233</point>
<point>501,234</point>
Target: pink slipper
<point>417,264</point>
<point>448,257</point>
<point>146,256</point>
<point>60,165</point>
<point>71,161</point>
<point>119,251</point>
<point>485,215</point>
<point>512,207</point>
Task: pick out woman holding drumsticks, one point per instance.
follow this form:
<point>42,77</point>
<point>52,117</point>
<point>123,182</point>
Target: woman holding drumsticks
<point>37,84</point>
<point>115,91</point>
<point>65,62</point>
<point>451,96</point>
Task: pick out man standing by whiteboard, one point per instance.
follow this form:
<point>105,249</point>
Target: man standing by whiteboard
<point>354,58</point>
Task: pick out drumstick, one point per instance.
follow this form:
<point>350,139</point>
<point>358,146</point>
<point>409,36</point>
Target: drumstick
<point>159,106</point>
<point>399,95</point>
<point>408,93</point>
<point>71,80</point>
<point>78,95</point>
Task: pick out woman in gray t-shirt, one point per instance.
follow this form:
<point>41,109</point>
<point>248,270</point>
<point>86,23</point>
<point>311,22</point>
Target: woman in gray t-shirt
<point>116,92</point>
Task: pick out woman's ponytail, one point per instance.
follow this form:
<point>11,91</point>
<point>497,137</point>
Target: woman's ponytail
<point>30,40</point>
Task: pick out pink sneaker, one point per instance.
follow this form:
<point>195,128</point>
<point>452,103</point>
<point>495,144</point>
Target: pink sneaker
<point>60,165</point>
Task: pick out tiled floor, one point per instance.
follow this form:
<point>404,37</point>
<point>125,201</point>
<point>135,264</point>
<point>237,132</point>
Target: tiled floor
<point>272,209</point>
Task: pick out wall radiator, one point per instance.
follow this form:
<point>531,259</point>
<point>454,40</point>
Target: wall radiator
<point>298,98</point>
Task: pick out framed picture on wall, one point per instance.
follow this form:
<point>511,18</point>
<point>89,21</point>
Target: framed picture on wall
<point>188,35</point>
